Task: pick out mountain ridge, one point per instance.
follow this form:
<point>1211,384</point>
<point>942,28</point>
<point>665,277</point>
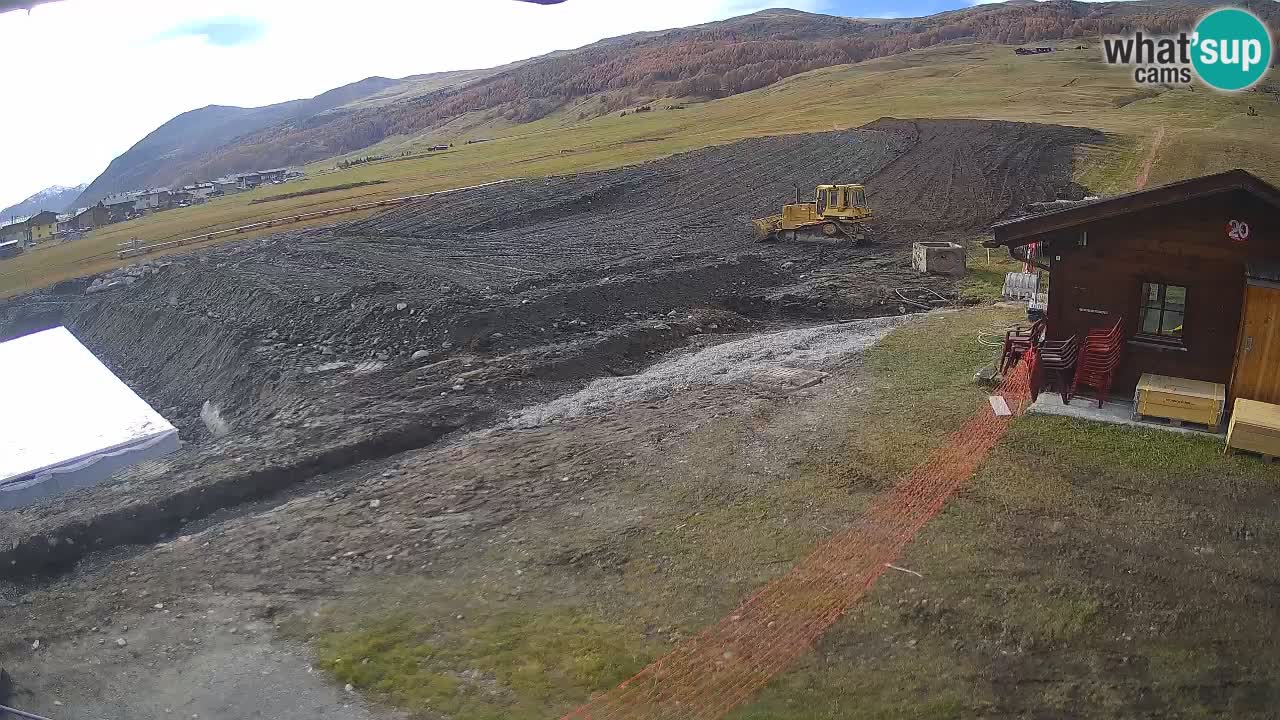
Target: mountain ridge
<point>705,61</point>
<point>172,153</point>
<point>58,198</point>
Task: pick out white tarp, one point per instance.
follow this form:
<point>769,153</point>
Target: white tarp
<point>66,421</point>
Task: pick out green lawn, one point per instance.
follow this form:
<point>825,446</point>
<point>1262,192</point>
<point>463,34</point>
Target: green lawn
<point>1090,571</point>
<point>1206,132</point>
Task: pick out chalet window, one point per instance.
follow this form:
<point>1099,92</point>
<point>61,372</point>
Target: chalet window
<point>1162,313</point>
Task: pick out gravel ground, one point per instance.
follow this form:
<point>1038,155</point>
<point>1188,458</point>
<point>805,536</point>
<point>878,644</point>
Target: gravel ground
<point>729,363</point>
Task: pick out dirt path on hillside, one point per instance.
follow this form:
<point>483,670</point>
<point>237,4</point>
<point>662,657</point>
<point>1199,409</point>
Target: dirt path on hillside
<point>1153,154</point>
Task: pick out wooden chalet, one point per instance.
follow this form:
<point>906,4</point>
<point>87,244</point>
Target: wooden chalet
<point>1192,268</point>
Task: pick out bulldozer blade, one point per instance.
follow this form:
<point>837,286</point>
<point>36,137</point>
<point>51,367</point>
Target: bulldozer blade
<point>766,229</point>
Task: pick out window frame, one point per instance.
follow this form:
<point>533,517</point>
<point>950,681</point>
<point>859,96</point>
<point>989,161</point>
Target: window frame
<point>1144,304</point>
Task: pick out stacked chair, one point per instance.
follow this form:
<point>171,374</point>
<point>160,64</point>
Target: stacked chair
<point>1058,358</point>
<point>1018,343</point>
<point>1099,357</point>
<point>1068,364</point>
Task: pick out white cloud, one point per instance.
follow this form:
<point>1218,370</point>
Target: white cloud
<point>85,79</point>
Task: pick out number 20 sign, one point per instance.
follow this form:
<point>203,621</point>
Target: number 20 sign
<point>1238,230</point>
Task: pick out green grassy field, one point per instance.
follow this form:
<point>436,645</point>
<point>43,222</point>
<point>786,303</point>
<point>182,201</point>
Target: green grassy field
<point>1206,131</point>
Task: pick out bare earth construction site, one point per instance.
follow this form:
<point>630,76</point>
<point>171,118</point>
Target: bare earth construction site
<point>405,394</point>
<point>369,339</point>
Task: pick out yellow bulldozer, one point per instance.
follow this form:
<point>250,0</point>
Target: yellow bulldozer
<point>837,212</point>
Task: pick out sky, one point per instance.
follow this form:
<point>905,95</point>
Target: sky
<point>83,80</point>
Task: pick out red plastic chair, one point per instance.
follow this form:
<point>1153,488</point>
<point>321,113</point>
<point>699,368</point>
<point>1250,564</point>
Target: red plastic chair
<point>1099,358</point>
<point>1017,342</point>
<point>1111,335</point>
<point>1060,359</point>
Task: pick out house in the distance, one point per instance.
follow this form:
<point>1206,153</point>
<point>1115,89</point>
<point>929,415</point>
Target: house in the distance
<point>13,236</point>
<point>92,217</point>
<point>225,186</point>
<point>241,181</point>
<point>274,175</point>
<point>42,226</point>
<point>193,194</point>
<point>248,180</point>
<point>14,229</point>
<point>152,200</point>
<point>30,229</point>
<point>120,205</point>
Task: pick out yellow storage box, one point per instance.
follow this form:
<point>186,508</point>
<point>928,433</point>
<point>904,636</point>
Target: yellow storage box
<point>1255,426</point>
<point>1180,400</point>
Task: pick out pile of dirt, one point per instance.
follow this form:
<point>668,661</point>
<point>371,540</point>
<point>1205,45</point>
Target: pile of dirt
<point>965,174</point>
<point>331,347</point>
<point>922,175</point>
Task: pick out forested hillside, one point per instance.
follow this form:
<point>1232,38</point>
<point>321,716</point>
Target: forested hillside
<point>701,62</point>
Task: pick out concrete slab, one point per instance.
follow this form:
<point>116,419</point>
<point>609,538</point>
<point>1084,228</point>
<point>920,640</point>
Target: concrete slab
<point>1114,412</point>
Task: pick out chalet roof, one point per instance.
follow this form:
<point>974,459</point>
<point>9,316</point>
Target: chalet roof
<point>1027,229</point>
<point>120,198</point>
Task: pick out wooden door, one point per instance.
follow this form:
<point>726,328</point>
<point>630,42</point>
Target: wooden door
<point>1257,374</point>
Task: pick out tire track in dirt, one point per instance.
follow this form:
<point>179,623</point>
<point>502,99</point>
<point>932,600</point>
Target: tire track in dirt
<point>707,676</point>
<point>1144,174</point>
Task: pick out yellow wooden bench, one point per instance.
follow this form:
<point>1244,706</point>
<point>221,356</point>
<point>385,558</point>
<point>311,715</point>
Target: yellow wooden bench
<point>1255,426</point>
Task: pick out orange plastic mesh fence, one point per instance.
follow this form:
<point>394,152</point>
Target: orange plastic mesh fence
<point>708,675</point>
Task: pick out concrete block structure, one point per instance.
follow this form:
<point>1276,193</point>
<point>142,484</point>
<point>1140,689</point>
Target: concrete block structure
<point>938,258</point>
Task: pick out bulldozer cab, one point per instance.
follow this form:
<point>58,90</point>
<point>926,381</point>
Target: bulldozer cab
<point>842,201</point>
<point>838,198</point>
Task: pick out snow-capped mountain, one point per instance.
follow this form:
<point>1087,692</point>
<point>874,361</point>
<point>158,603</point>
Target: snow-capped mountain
<point>57,198</point>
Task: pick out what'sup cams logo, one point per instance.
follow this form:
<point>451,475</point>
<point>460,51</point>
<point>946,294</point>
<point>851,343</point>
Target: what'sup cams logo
<point>1229,50</point>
